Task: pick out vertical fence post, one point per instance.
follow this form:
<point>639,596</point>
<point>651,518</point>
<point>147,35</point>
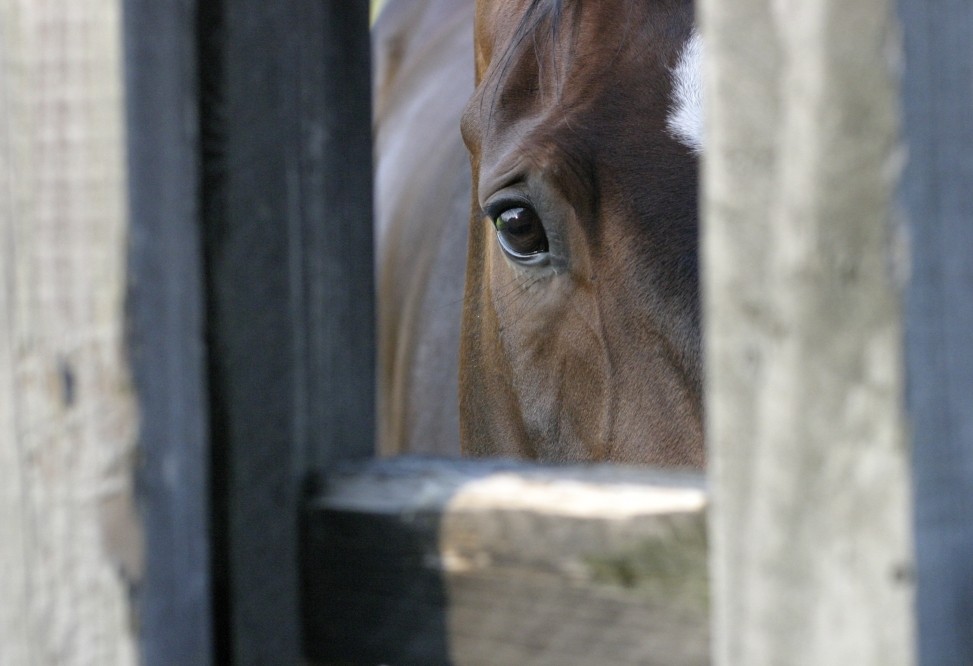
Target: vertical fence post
<point>166,330</point>
<point>809,462</point>
<point>289,252</point>
<point>70,542</point>
<point>935,192</point>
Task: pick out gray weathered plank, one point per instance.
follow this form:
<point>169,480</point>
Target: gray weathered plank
<point>472,562</point>
<point>809,463</point>
<point>70,545</point>
<point>289,255</point>
<point>166,330</point>
<point>935,192</point>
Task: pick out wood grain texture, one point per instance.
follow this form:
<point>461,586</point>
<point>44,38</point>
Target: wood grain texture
<point>472,562</point>
<point>71,544</point>
<point>812,552</point>
<point>935,193</point>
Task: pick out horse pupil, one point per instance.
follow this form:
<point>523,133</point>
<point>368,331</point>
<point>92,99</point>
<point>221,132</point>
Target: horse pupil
<point>521,232</point>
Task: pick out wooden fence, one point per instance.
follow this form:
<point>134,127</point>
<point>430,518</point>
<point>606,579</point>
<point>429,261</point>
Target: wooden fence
<point>186,354</point>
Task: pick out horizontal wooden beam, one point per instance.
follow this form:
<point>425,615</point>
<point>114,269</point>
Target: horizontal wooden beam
<point>414,560</point>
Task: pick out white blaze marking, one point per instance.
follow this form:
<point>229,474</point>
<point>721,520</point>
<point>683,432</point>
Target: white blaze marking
<point>685,120</point>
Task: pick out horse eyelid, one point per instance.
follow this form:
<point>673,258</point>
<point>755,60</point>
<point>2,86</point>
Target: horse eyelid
<point>495,208</point>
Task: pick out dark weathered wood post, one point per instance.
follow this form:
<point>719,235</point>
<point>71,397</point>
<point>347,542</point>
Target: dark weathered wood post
<point>166,310</point>
<point>290,279</point>
<point>937,198</point>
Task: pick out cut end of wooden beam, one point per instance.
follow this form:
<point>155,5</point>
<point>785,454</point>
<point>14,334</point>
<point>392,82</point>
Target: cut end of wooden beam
<point>417,483</point>
<point>573,498</point>
<point>414,560</point>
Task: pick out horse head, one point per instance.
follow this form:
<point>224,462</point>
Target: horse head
<point>580,331</point>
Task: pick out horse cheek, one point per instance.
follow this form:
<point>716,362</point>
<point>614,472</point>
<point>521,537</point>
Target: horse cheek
<point>560,376</point>
<point>490,415</point>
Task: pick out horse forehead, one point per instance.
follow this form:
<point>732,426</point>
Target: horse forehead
<point>655,27</point>
<point>685,119</point>
<point>582,55</point>
<point>581,43</point>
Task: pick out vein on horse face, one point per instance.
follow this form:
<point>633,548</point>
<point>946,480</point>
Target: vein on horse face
<point>685,120</point>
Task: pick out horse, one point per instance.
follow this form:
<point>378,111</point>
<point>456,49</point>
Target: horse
<point>422,55</point>
<point>571,332</point>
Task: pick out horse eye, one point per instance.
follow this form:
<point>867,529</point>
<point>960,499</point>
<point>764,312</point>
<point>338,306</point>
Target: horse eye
<point>521,233</point>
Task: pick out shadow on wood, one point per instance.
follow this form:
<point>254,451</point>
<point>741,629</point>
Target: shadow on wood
<point>415,560</point>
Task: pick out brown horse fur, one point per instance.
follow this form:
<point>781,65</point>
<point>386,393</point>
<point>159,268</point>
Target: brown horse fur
<point>594,355</point>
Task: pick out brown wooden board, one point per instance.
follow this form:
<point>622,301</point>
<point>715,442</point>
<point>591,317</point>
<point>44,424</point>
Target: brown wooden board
<point>414,560</point>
